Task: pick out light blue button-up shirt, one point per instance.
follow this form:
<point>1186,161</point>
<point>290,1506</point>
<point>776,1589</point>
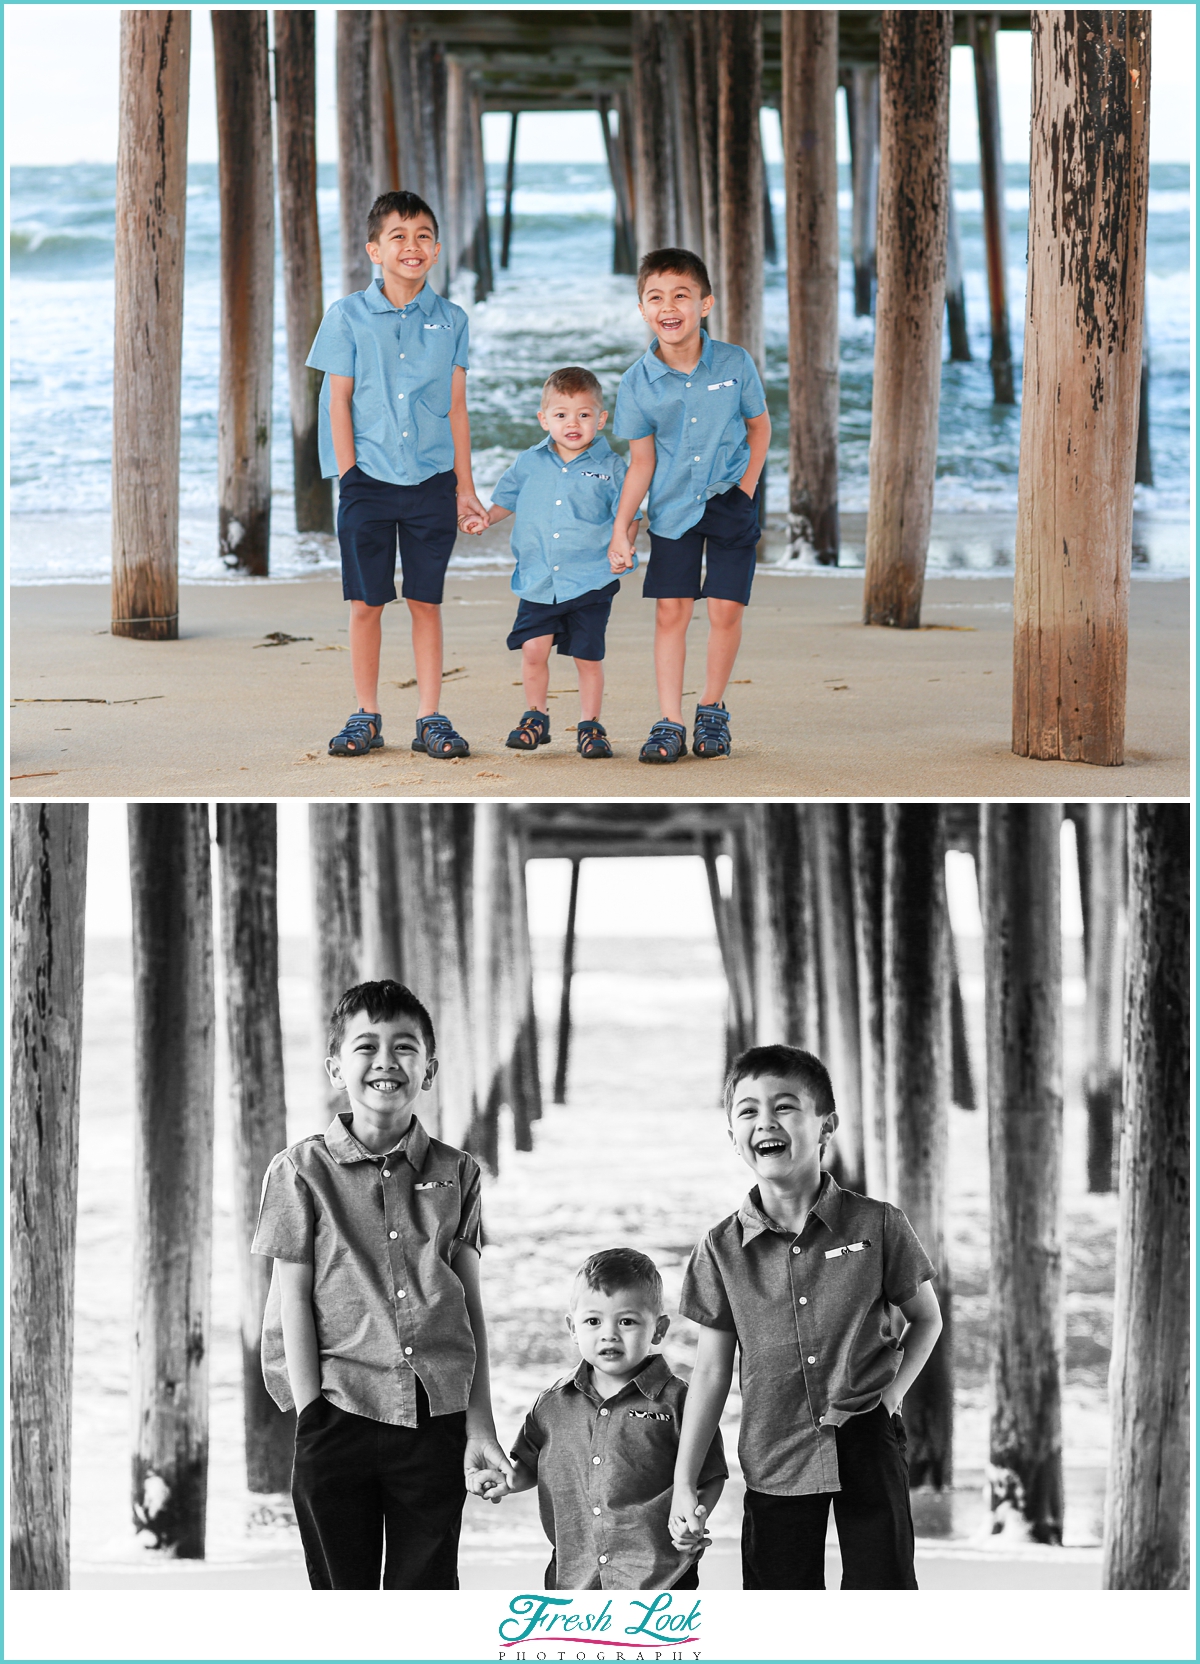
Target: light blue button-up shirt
<point>563,519</point>
<point>698,424</point>
<point>402,359</point>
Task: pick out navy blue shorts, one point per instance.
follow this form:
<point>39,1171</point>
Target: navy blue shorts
<point>373,513</point>
<point>730,527</point>
<point>577,625</point>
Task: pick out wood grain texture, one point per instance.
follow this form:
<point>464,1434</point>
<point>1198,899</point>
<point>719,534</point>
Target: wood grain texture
<point>354,146</point>
<point>982,28</point>
<point>655,206</point>
<point>866,877</point>
<point>1104,973</point>
<point>333,842</point>
<point>739,173</point>
<point>841,1052</point>
<point>705,41</point>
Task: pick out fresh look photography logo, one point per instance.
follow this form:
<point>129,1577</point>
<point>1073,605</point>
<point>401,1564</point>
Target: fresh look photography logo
<point>623,1628</point>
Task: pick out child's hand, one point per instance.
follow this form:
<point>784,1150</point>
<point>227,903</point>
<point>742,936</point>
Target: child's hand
<point>621,551</point>
<point>474,524</point>
<point>484,1456</point>
<point>687,1520</point>
<point>468,507</point>
<point>489,1484</point>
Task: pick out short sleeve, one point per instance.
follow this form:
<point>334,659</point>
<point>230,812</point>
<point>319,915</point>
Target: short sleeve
<point>470,1222</point>
<point>754,399</point>
<point>906,1265</point>
<point>714,1465</point>
<point>703,1297</point>
<point>285,1214</point>
<point>529,1441</point>
<point>462,339</point>
<point>333,349</point>
<point>629,420</point>
<point>508,487</point>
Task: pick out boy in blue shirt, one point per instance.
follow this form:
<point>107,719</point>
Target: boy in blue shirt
<point>394,430</point>
<point>563,492</point>
<point>694,412</point>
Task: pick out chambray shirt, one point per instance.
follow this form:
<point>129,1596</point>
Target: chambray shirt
<point>563,519</point>
<point>698,424</point>
<point>379,1232</point>
<point>606,1471</point>
<point>402,360</point>
<point>812,1318</point>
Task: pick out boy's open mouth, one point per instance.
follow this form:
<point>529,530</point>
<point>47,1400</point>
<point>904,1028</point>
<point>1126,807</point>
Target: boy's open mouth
<point>770,1147</point>
<point>390,1084</point>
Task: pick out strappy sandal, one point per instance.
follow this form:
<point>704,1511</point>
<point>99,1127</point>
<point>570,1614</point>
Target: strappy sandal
<point>363,732</point>
<point>592,740</point>
<point>532,730</point>
<point>667,743</point>
<point>710,737</point>
<point>437,738</point>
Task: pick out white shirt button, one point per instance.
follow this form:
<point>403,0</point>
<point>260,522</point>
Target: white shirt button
<point>595,1461</point>
<point>811,1359</point>
<point>564,470</point>
<point>402,355</point>
<point>603,1412</point>
<point>695,459</point>
<point>401,395</point>
<point>804,1299</point>
<point>795,1250</point>
<point>399,1294</point>
<point>556,534</point>
<point>686,383</point>
<point>604,1559</point>
<point>387,1172</point>
<point>404,435</point>
<point>408,1351</point>
<point>820,1421</point>
<point>392,1234</point>
<point>595,1510</point>
<point>558,502</point>
<point>693,418</point>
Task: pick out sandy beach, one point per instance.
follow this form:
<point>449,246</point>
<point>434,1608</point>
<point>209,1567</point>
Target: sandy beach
<point>821,706</point>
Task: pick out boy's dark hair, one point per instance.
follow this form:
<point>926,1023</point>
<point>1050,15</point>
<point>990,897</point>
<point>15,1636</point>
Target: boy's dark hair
<point>407,204</point>
<point>681,261</point>
<point>573,379</point>
<point>788,1061</point>
<point>382,1001</point>
<point>613,1269</point>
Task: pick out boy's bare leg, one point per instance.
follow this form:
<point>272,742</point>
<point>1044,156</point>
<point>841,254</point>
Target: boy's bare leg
<point>724,639</point>
<point>365,634</point>
<point>535,671</point>
<point>591,688</point>
<point>427,654</point>
<point>672,615</point>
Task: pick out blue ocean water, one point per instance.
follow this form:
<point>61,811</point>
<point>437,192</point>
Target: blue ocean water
<point>556,304</point>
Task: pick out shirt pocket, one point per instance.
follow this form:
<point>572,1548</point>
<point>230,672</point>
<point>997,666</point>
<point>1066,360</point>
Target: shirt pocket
<point>593,501</point>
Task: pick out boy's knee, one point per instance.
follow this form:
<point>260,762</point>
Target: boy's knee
<point>726,615</point>
<point>362,610</point>
<point>673,612</point>
<point>424,609</point>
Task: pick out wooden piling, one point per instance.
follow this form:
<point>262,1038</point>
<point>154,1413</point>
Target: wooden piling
<point>564,1002</point>
<point>354,146</point>
<point>379,877</point>
<point>1104,973</point>
<point>914,183</point>
<point>174,1042</point>
<point>1019,892</point>
<point>956,304</point>
<point>151,199</point>
<point>1083,355</point>
<point>866,878</point>
<point>739,171</point>
<point>681,104</point>
<point>429,78</point>
<point>398,45</point>
<point>770,245</point>
<point>304,296</point>
<point>1143,473</point>
<point>738,1016</point>
<point>250,952</point>
<point>653,150</point>
<point>809,113</point>
<point>385,155</point>
<point>494,988</point>
<point>839,983</point>
<point>982,27</point>
<point>788,932</point>
<point>862,109</point>
<point>916,1070</point>
<point>624,234</point>
<point>333,840</point>
<point>1146,1526</point>
<point>510,173</point>
<point>454,234</point>
<point>526,1076</point>
<point>705,39</point>
<point>962,1079</point>
<point>48,872</point>
<point>485,280</point>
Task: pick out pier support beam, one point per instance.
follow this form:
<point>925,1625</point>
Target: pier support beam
<point>151,201</point>
<point>385,155</point>
<point>333,842</point>
<point>510,173</point>
<point>839,982</point>
<point>739,169</point>
<point>1146,1525</point>
<point>914,182</point>
<point>526,1074</point>
<point>1019,893</point>
<point>956,305</point>
<point>398,45</point>
<point>564,1002</point>
<point>653,135</point>
<point>681,83</point>
<point>624,234</point>
<point>982,27</point>
<point>1104,971</point>
<point>705,41</point>
<point>174,1047</point>
<point>481,230</point>
<point>379,878</point>
<point>250,950</point>
<point>1083,358</point>
<point>354,146</point>
<point>866,877</point>
<point>49,871</point>
<point>862,110</point>
<point>809,57</point>
<point>494,984</point>
<point>304,295</point>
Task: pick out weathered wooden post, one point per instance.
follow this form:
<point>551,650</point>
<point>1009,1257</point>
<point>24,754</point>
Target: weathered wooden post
<point>398,46</point>
<point>250,950</point>
<point>914,183</point>
<point>1104,970</point>
<point>866,878</point>
<point>809,68</point>
<point>247,193</point>
<point>705,35</point>
<point>48,869</point>
<point>485,280</point>
<point>962,1083</point>
<point>739,169</point>
<point>653,148</point>
<point>624,234</point>
<point>385,154</point>
<point>787,1002</point>
<point>1022,942</point>
<point>1143,473</point>
<point>681,106</point>
<point>738,1014</point>
<point>916,1059</point>
<point>526,1077</point>
<point>296,126</point>
<point>564,1002</point>
<point>956,305</point>
<point>1146,1524</point>
<point>839,982</point>
<point>429,89</point>
<point>770,246</point>
<point>334,856</point>
<point>379,876</point>
<point>510,174</point>
<point>494,992</point>
<point>454,235</point>
<point>1083,356</point>
<point>354,146</point>
<point>862,101</point>
<point>148,338</point>
<point>982,27</point>
<point>174,1045</point>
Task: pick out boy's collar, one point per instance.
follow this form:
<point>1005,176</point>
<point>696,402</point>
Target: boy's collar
<point>656,368</point>
<point>345,1148</point>
<point>377,301</point>
<point>649,1380</point>
<point>826,1207</point>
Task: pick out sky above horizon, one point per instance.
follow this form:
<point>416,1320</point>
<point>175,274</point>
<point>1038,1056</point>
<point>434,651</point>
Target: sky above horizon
<point>61,65</point>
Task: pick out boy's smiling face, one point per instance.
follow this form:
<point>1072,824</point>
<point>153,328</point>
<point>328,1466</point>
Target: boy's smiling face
<point>572,420</point>
<point>776,1127</point>
<point>406,249</point>
<point>614,1332</point>
<point>383,1065</point>
<point>673,306</point>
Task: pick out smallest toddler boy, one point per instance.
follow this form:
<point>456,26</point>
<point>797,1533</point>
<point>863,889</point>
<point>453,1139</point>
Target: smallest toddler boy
<point>563,492</point>
<point>600,1445</point>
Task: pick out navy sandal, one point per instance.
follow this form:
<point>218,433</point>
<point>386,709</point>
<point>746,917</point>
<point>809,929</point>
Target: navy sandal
<point>532,730</point>
<point>592,740</point>
<point>667,743</point>
<point>362,733</point>
<point>710,737</point>
<point>437,738</point>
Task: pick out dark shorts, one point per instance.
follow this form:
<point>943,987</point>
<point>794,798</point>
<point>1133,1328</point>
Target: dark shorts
<point>577,625</point>
<point>372,514</point>
<point>730,528</point>
<point>783,1537</point>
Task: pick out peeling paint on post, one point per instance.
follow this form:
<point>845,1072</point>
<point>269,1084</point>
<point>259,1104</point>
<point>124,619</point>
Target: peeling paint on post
<point>1079,406</point>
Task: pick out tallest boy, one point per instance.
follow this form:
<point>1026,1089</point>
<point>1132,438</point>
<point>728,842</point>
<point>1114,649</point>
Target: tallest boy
<point>395,432</point>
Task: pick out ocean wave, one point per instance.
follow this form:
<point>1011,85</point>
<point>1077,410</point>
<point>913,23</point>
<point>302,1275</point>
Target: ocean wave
<point>40,249</point>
